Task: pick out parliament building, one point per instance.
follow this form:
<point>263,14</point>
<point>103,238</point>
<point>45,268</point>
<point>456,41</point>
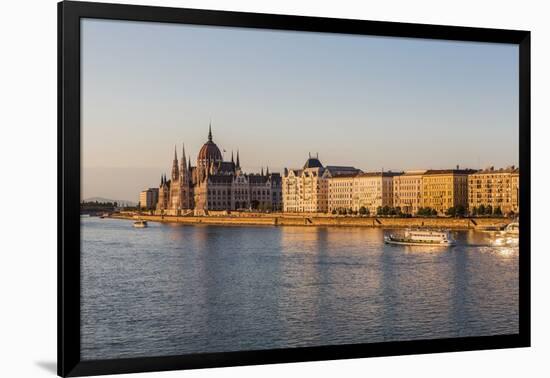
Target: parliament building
<point>216,185</point>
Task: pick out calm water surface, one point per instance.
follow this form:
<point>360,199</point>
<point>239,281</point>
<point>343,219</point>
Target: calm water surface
<point>175,289</point>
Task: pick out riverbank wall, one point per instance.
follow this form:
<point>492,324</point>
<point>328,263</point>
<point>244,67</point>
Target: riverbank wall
<point>295,220</point>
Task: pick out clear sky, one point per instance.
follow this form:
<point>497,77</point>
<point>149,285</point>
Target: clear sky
<point>370,102</point>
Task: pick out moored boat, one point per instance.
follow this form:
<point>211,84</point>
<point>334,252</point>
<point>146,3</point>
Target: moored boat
<point>512,229</point>
<point>421,237</point>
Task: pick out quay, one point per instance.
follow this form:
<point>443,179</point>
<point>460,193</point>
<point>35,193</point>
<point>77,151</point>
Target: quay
<point>282,219</point>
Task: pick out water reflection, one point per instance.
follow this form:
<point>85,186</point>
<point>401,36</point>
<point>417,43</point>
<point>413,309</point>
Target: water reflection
<point>174,289</point>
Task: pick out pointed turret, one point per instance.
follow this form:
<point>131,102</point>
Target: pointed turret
<point>232,160</point>
<point>262,173</point>
<point>175,169</point>
<point>183,163</point>
<point>238,161</point>
<point>267,171</point>
<point>210,132</point>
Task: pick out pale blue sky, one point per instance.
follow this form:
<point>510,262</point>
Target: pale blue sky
<point>370,102</point>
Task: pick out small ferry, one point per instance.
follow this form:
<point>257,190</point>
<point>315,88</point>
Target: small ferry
<point>421,237</point>
<point>140,224</point>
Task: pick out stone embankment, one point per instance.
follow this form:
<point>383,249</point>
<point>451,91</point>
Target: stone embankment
<point>324,220</point>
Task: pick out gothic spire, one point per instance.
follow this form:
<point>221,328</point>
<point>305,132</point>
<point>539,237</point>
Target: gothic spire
<point>262,171</point>
<point>210,132</point>
<point>267,171</point>
<point>175,170</point>
<point>238,161</point>
<point>183,162</point>
<point>233,161</point>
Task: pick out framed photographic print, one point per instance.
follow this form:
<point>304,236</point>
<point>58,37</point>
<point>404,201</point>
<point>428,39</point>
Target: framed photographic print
<point>239,188</point>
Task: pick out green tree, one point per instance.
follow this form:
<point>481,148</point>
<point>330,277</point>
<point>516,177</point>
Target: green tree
<point>481,210</point>
<point>363,210</point>
<point>460,211</point>
<point>451,211</point>
<point>333,211</point>
<point>474,211</point>
<point>498,211</point>
<point>433,212</point>
<point>489,210</point>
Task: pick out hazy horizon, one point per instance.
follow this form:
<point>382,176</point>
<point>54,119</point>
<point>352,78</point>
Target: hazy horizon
<point>370,102</point>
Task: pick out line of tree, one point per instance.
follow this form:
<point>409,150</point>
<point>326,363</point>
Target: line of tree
<point>456,211</point>
<point>96,204</point>
<point>426,212</point>
<point>487,210</point>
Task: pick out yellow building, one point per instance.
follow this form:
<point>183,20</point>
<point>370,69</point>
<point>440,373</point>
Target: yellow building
<point>445,188</point>
<point>407,191</point>
<point>496,188</point>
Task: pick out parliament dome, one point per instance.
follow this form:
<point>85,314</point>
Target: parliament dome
<point>210,152</point>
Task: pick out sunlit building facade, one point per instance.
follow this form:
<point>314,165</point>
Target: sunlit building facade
<point>407,191</point>
<point>215,185</point>
<point>498,188</point>
<point>306,190</point>
<point>373,190</point>
<point>445,188</point>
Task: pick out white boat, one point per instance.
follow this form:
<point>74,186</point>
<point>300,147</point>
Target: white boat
<point>421,237</point>
<point>512,229</point>
<point>140,224</point>
<point>506,241</point>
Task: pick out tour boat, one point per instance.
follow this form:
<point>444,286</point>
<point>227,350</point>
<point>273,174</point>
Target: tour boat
<point>421,237</point>
<point>140,224</point>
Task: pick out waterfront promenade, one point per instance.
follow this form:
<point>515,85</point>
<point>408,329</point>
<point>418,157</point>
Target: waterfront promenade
<point>282,219</point>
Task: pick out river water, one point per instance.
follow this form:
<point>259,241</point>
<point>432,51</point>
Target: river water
<point>174,289</point>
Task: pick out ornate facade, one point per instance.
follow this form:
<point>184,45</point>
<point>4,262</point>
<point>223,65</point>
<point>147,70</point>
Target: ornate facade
<point>307,189</point>
<point>214,184</point>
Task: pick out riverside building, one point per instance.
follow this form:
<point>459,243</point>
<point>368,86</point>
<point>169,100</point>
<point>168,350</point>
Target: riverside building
<point>370,190</point>
<point>407,191</point>
<point>307,189</point>
<point>148,199</point>
<point>373,190</point>
<point>215,184</point>
<point>498,188</point>
<point>445,188</point>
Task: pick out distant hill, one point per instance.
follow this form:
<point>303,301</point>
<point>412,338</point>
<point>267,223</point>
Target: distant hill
<point>119,202</point>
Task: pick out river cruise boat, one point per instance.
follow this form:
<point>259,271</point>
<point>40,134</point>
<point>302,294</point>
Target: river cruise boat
<point>140,224</point>
<point>421,237</point>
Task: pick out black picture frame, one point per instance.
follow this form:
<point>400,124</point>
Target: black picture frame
<point>69,15</point>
